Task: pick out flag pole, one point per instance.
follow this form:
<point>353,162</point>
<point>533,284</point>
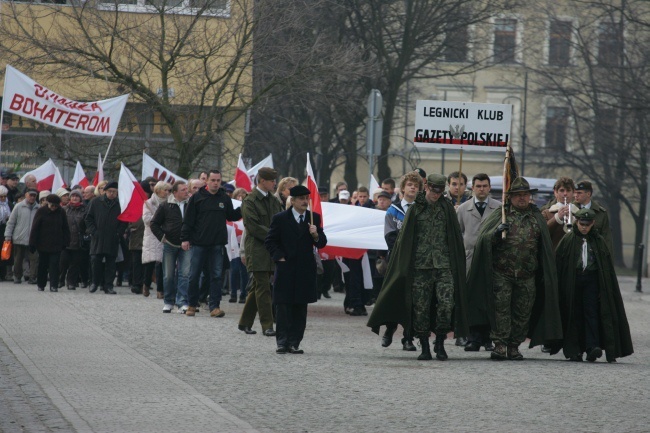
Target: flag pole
<point>460,176</point>
<point>506,163</point>
<point>107,150</point>
<point>311,212</point>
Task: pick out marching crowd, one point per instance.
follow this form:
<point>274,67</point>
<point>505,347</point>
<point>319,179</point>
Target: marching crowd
<point>457,261</point>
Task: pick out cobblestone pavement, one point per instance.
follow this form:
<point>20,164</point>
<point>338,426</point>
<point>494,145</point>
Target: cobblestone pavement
<point>74,361</point>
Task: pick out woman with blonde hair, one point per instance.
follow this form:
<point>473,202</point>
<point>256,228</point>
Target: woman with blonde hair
<point>282,191</point>
<point>152,248</point>
<point>99,190</point>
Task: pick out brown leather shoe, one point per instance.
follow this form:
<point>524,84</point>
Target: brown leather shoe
<point>191,311</point>
<point>160,295</point>
<point>217,312</point>
<point>145,291</point>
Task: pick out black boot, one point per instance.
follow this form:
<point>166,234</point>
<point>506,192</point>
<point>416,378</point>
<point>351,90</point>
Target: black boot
<point>387,339</point>
<point>439,347</point>
<point>426,350</point>
<point>407,344</point>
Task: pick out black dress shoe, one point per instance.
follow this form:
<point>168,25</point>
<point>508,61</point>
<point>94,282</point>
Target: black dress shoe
<point>461,341</point>
<point>54,289</point>
<point>110,291</point>
<point>281,350</point>
<point>473,346</point>
<point>408,345</point>
<point>326,295</point>
<point>84,285</point>
<point>295,350</point>
<point>72,288</point>
<point>93,288</point>
<point>242,300</point>
<point>41,289</point>
<point>246,329</point>
<point>269,332</point>
<point>359,311</point>
<point>576,358</point>
<point>489,346</point>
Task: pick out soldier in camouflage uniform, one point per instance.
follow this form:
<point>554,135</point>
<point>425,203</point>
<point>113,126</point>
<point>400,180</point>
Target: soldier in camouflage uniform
<point>516,261</point>
<point>432,277</point>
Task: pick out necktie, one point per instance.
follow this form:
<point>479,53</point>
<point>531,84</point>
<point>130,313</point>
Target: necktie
<point>481,207</point>
<point>301,219</point>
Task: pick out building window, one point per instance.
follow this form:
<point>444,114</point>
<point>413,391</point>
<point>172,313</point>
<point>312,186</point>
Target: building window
<point>456,45</point>
<point>557,121</point>
<point>610,44</point>
<point>559,43</point>
<point>505,40</point>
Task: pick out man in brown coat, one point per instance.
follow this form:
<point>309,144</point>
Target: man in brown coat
<point>258,209</point>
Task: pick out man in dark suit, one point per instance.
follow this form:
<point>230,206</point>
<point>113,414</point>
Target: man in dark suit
<point>291,240</point>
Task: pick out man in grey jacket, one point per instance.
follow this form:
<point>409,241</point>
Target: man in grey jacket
<point>18,228</point>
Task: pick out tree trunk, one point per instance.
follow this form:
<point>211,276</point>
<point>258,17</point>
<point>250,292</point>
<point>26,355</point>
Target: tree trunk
<point>350,172</point>
<point>384,171</point>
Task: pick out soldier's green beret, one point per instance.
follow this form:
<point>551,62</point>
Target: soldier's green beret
<point>437,180</point>
<point>585,214</point>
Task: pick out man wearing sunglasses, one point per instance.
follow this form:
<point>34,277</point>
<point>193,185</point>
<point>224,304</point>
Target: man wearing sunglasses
<point>593,311</point>
<point>513,275</point>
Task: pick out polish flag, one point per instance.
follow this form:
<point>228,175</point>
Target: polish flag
<point>241,176</point>
<point>314,196</point>
<point>99,174</point>
<point>48,177</point>
<point>131,196</point>
<point>79,177</point>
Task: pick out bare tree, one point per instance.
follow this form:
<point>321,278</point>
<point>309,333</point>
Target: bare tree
<point>189,67</point>
<point>604,89</point>
<point>411,40</point>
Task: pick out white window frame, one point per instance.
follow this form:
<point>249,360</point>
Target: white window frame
<point>519,38</point>
<point>140,7</point>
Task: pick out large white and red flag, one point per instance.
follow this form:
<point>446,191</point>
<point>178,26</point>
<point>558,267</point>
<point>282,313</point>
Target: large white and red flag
<point>99,174</point>
<point>79,177</point>
<point>47,176</point>
<point>25,97</point>
<point>242,180</point>
<point>151,167</point>
<point>131,196</point>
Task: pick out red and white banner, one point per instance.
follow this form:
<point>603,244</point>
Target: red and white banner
<point>241,176</point>
<point>99,174</point>
<point>151,167</point>
<point>79,177</point>
<point>131,196</point>
<point>351,230</point>
<point>25,97</point>
<point>314,196</point>
<point>252,172</point>
<point>48,177</point>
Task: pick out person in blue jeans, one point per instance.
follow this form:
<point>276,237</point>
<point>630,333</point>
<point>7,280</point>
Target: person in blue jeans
<point>204,231</point>
<point>166,225</point>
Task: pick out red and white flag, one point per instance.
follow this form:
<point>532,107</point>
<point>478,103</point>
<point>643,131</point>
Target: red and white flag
<point>151,167</point>
<point>47,176</point>
<point>242,180</point>
<point>131,196</point>
<point>99,174</point>
<point>314,196</point>
<point>79,177</point>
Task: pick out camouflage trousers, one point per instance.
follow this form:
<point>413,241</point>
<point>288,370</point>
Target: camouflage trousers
<point>428,283</point>
<point>513,303</point>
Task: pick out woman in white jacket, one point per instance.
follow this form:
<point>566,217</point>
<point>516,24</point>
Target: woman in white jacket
<point>152,248</point>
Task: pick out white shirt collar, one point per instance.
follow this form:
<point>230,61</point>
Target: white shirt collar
<point>296,215</point>
<point>479,201</point>
<point>588,205</point>
<point>264,193</point>
<point>404,203</point>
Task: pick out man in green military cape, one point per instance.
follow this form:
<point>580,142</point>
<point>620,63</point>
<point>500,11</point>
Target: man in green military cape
<point>512,285</point>
<point>425,281</point>
<point>591,304</point>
